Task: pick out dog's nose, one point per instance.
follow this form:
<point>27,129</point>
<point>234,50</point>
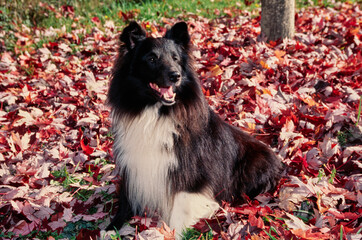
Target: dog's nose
<point>174,76</point>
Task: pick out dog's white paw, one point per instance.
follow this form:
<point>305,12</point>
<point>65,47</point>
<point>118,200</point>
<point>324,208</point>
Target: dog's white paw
<point>188,208</point>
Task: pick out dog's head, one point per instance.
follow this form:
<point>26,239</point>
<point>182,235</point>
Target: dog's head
<point>158,63</point>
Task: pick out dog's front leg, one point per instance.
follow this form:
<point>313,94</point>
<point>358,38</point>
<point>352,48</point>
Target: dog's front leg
<point>188,208</point>
<point>124,213</point>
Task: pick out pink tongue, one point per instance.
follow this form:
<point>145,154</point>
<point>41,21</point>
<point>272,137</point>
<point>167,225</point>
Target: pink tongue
<point>167,92</point>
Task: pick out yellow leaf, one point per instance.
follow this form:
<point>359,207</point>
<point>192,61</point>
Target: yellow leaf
<point>215,71</point>
<point>251,126</point>
<point>309,101</point>
<point>267,91</point>
<point>319,204</point>
<point>264,64</point>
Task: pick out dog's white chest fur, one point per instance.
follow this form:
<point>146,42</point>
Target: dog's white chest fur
<point>144,150</point>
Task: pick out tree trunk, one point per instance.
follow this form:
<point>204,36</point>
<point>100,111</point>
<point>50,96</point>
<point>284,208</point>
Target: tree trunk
<point>277,19</point>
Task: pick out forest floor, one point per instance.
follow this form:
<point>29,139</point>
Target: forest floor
<point>301,96</point>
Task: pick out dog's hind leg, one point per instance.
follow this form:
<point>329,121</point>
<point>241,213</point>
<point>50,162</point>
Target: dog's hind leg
<point>188,208</point>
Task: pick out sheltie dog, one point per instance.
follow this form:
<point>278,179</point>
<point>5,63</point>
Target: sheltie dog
<point>176,157</point>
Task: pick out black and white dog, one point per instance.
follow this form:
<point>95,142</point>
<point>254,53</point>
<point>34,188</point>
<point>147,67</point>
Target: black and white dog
<point>175,155</point>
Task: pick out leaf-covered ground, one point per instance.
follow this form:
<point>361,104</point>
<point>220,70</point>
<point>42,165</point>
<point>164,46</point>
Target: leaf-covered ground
<point>301,96</point>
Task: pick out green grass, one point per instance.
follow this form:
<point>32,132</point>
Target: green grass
<point>72,229</point>
<point>332,176</point>
<point>65,179</point>
<point>343,136</point>
<point>44,14</point>
<point>70,232</point>
<point>322,3</point>
<point>359,111</point>
<point>305,211</point>
<point>193,234</point>
<point>115,236</point>
<point>31,13</point>
<point>270,234</point>
<point>35,233</point>
<point>50,14</point>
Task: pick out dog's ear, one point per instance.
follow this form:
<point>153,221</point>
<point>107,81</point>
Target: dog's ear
<point>132,34</point>
<point>179,33</point>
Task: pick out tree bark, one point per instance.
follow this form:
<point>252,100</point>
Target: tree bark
<point>277,19</point>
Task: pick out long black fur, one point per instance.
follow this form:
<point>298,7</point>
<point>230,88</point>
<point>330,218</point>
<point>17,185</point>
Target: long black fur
<point>209,151</point>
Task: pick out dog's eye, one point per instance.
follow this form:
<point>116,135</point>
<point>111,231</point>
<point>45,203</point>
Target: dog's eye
<point>152,59</point>
<point>175,58</point>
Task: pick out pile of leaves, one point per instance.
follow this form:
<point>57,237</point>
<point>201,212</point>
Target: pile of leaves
<point>301,96</point>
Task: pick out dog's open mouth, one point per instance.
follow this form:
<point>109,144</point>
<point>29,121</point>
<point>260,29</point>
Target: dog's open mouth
<point>166,94</point>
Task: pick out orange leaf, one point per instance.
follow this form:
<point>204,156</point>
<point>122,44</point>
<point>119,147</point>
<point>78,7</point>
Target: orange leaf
<point>166,232</point>
<point>267,91</point>
<point>264,64</point>
<point>120,14</point>
<point>319,204</point>
<point>309,101</point>
<point>28,98</point>
<point>354,31</point>
<point>280,54</point>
